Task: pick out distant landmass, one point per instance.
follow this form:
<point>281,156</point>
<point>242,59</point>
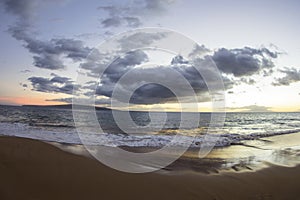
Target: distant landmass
<point>65,106</point>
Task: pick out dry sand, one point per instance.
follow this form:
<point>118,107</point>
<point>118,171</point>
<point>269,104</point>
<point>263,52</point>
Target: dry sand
<point>32,169</point>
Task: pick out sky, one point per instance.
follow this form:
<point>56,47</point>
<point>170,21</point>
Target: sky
<point>254,45</point>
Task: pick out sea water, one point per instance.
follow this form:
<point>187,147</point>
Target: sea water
<point>57,125</point>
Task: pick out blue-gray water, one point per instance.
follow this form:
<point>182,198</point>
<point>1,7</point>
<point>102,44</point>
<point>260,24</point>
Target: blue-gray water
<point>57,125</point>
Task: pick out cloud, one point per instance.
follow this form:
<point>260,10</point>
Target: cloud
<point>117,67</point>
<point>157,6</point>
<point>113,21</point>
<point>46,54</point>
<point>56,84</point>
<point>26,10</point>
<point>118,16</point>
<point>25,71</point>
<point>24,85</point>
<point>50,54</point>
<point>132,14</point>
<point>199,50</point>
<point>23,9</point>
<point>150,93</point>
<point>70,100</point>
<point>292,75</point>
<point>179,60</point>
<point>247,80</point>
<point>133,21</point>
<point>139,40</point>
<point>59,79</point>
<point>93,64</point>
<point>245,61</point>
<point>61,100</point>
<point>251,108</point>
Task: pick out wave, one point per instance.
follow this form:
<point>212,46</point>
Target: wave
<point>51,125</point>
<point>70,136</point>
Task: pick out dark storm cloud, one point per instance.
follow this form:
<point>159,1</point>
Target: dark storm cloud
<point>292,75</point>
<point>118,66</point>
<point>130,15</point>
<point>150,93</point>
<point>114,71</point>
<point>155,93</point>
<point>56,84</point>
<point>124,64</point>
<point>245,61</point>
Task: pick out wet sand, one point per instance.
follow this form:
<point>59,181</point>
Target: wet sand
<point>32,169</point>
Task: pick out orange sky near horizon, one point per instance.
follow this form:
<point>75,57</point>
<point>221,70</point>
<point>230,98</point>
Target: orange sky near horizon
<point>26,101</point>
<point>18,101</point>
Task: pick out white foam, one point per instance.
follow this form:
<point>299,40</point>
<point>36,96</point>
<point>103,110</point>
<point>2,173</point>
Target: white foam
<point>71,137</point>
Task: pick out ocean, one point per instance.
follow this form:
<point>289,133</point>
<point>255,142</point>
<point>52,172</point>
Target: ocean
<point>247,141</point>
<point>57,125</point>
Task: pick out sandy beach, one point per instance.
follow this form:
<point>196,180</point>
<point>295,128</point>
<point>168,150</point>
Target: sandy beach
<point>32,169</point>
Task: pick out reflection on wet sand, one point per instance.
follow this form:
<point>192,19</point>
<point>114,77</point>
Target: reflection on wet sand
<point>283,150</point>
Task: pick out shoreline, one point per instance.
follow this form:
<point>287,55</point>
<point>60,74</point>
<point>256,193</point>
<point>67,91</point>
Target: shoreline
<point>31,169</point>
<point>255,155</point>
